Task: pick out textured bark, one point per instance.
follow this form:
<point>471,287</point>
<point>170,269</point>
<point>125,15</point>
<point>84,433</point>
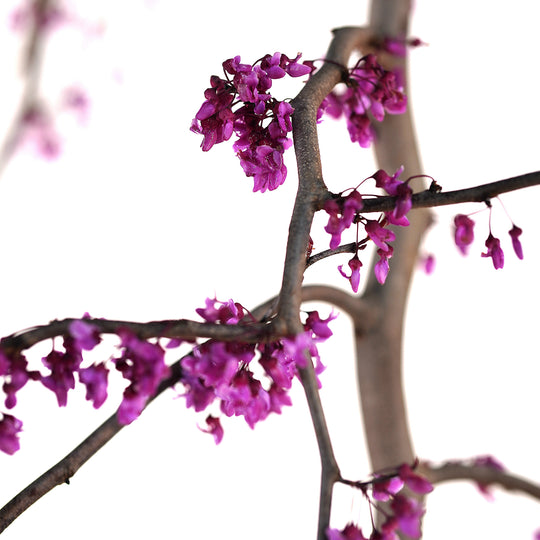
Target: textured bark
<point>379,346</point>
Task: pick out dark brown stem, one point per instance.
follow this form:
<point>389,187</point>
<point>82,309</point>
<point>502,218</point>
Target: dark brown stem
<point>481,193</point>
<point>180,328</point>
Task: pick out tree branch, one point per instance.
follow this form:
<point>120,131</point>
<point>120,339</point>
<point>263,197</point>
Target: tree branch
<point>61,472</point>
<point>481,193</point>
<point>481,474</point>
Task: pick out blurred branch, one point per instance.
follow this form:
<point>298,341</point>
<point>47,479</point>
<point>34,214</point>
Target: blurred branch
<point>481,474</point>
<point>379,349</point>
<point>32,61</point>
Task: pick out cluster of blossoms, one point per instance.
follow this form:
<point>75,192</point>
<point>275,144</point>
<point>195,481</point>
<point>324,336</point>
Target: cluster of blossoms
<point>403,513</point>
<point>242,104</point>
<point>141,363</point>
<point>464,237</point>
<point>346,210</point>
<point>244,379</point>
<point>221,371</point>
<point>371,92</point>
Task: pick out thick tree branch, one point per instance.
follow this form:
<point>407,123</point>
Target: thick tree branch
<point>310,197</point>
<point>311,188</point>
<point>379,349</point>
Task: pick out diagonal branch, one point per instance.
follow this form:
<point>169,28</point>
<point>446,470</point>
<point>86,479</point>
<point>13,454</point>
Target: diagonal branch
<point>63,470</point>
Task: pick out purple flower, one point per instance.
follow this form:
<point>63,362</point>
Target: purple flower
<point>10,427</point>
<point>86,335</point>
<point>494,251</point>
<point>515,233</point>
<point>370,89</point>
<point>63,366</point>
<point>197,394</point>
<point>414,481</point>
<point>16,377</point>
<point>297,347</point>
<point>382,267</point>
<point>245,397</point>
<point>354,279</point>
<point>380,235</point>
<point>214,428</point>
<point>278,398</point>
<point>319,326</point>
<point>214,120</point>
<point>94,378</point>
<point>399,189</point>
<point>464,232</point>
<point>223,312</point>
<point>408,513</point>
<point>143,364</point>
<point>383,490</point>
<point>131,407</point>
<point>280,367</point>
<point>342,213</point>
<point>428,263</point>
<point>350,532</point>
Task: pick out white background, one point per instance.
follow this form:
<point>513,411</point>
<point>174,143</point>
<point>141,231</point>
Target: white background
<point>135,222</point>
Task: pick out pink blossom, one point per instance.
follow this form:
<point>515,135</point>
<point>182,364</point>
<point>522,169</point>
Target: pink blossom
<point>349,532</point>
<point>494,251</point>
<point>94,378</point>
<point>414,481</point>
<point>464,232</point>
<point>10,427</point>
<point>214,428</point>
<point>515,233</point>
<point>85,334</point>
<point>354,264</point>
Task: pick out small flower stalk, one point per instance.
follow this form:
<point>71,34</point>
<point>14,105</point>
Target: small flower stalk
<point>403,513</point>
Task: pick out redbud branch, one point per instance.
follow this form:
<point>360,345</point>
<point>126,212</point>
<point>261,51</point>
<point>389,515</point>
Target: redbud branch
<point>481,474</point>
<point>311,188</point>
<point>63,470</point>
<point>181,328</point>
<point>31,67</point>
<point>481,193</point>
<point>311,194</point>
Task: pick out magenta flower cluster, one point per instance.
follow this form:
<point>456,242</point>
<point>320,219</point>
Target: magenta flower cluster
<point>140,362</point>
<point>245,379</point>
<point>242,104</point>
<point>403,513</point>
<point>226,372</point>
<point>345,210</point>
<point>371,92</point>
<point>464,237</point>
